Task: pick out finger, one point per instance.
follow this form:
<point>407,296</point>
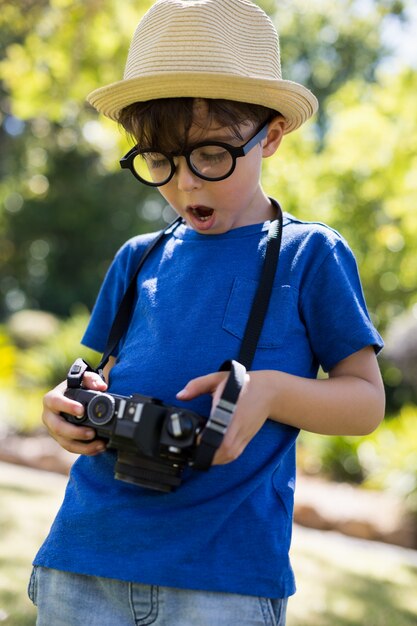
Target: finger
<point>230,449</point>
<point>60,428</point>
<point>79,447</point>
<point>55,403</point>
<point>91,380</point>
<point>77,439</point>
<point>201,385</point>
<point>235,440</point>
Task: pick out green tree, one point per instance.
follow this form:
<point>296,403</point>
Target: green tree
<point>363,183</point>
<point>326,44</point>
<point>64,210</point>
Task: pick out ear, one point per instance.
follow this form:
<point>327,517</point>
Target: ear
<point>273,139</point>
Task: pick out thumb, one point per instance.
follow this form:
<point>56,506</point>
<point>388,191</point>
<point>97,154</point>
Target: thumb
<point>201,385</point>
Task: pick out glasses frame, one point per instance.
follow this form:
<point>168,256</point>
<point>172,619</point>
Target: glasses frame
<point>235,152</point>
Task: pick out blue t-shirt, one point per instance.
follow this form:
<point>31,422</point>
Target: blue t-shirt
<point>228,529</point>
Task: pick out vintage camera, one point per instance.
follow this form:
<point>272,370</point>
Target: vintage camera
<point>154,441</point>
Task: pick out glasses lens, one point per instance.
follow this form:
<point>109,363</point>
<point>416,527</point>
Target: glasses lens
<point>152,167</point>
<point>211,161</point>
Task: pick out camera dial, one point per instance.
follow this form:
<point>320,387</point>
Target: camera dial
<point>101,409</point>
<point>179,426</point>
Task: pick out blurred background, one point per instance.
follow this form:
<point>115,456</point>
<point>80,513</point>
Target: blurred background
<point>65,207</point>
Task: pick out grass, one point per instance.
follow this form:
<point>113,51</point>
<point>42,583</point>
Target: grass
<point>349,582</point>
<point>28,500</point>
<point>341,581</point>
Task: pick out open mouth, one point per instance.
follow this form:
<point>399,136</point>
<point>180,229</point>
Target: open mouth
<point>201,217</point>
<point>201,213</point>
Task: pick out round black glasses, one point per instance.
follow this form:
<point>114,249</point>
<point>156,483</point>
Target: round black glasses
<point>209,160</point>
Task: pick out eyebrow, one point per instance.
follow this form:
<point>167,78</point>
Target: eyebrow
<point>223,137</point>
<point>220,138</point>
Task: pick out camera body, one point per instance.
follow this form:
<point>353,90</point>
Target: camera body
<point>154,441</point>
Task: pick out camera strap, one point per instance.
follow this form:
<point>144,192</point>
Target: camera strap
<point>124,312</point>
<point>263,294</point>
<point>221,415</point>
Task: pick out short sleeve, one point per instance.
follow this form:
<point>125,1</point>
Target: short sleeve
<point>335,311</point>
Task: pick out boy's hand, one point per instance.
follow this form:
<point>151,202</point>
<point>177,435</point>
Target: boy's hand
<point>251,412</point>
<point>77,439</point>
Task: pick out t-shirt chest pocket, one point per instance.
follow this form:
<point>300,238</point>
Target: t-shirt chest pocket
<point>282,306</point>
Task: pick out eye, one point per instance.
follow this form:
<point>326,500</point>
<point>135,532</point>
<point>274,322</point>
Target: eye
<point>210,154</point>
<point>153,167</point>
<point>155,160</point>
<point>216,158</point>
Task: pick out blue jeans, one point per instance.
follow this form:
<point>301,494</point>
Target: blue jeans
<point>66,599</point>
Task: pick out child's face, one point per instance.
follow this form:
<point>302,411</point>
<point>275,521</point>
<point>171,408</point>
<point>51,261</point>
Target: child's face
<point>214,207</point>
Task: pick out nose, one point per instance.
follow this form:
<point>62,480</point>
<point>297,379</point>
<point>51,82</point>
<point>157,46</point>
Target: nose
<point>185,178</point>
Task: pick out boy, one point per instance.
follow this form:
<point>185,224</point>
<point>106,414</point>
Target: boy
<point>204,100</point>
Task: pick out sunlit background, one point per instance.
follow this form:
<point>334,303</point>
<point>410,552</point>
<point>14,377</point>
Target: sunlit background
<point>65,207</point>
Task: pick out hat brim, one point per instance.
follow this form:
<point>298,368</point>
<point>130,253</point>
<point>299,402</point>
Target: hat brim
<point>294,101</point>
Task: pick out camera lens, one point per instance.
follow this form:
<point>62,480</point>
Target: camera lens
<point>100,409</point>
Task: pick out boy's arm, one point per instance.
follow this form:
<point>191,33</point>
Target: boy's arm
<point>350,402</point>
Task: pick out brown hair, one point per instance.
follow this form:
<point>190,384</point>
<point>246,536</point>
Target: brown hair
<point>164,124</point>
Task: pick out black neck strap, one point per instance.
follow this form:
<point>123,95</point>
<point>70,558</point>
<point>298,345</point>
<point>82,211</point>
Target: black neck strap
<point>124,313</point>
<point>222,413</point>
<point>260,304</point>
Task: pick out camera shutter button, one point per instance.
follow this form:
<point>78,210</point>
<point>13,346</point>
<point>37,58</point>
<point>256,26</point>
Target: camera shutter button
<point>179,425</point>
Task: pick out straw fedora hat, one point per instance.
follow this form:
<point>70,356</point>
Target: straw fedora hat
<point>225,49</point>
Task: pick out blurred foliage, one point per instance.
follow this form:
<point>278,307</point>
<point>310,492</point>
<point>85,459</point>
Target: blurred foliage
<point>47,364</point>
<point>335,457</point>
<point>61,243</point>
<point>64,210</point>
<point>326,44</point>
<point>363,184</point>
<point>384,460</point>
<point>389,457</point>
<point>27,374</point>
<point>399,360</point>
